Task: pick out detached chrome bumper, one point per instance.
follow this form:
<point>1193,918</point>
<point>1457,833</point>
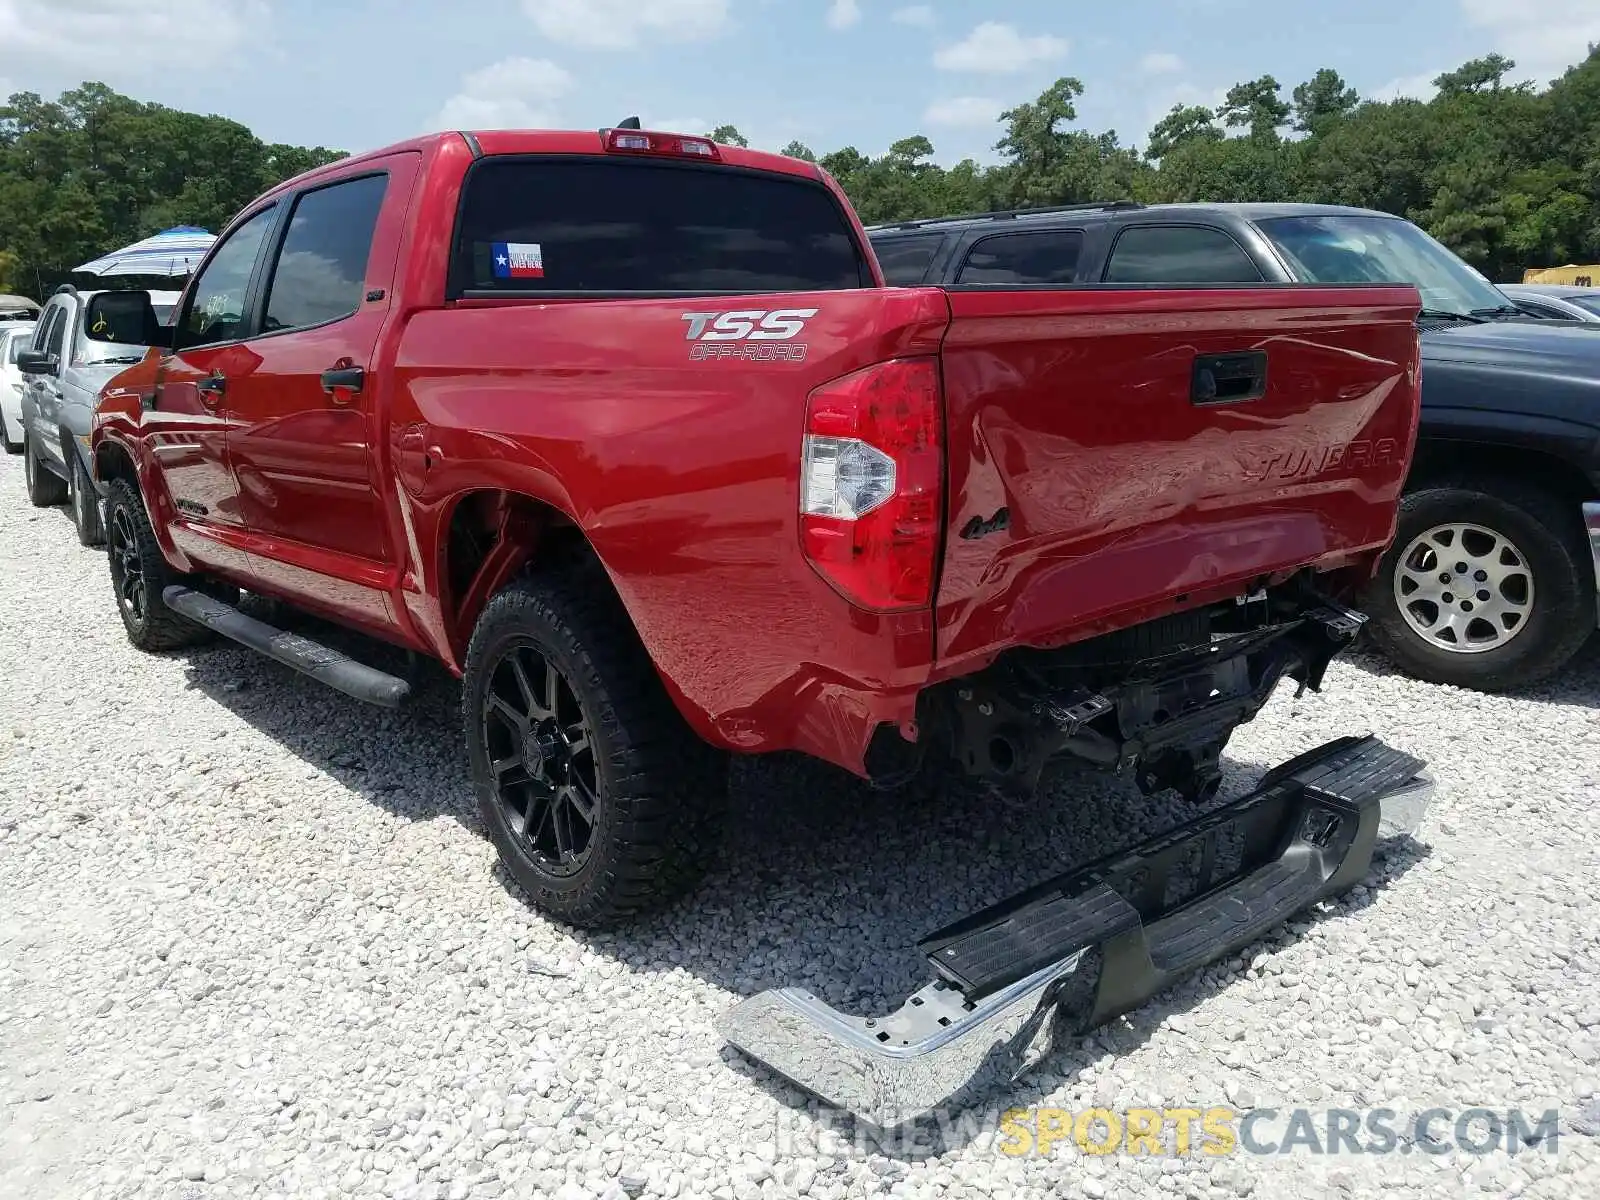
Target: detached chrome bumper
<point>1081,949</point>
<point>1591,522</point>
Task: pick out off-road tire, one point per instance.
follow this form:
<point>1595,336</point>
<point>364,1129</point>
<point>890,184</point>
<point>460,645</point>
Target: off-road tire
<point>156,627</point>
<point>662,792</point>
<point>1547,531</point>
<point>46,489</point>
<point>85,503</point>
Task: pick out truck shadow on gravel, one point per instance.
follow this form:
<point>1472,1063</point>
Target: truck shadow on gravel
<point>822,883</point>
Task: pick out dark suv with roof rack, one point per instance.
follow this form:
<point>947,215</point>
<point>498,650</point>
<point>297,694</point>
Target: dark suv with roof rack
<point>1492,579</point>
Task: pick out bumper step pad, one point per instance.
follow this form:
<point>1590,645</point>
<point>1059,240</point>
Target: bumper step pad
<point>1081,949</point>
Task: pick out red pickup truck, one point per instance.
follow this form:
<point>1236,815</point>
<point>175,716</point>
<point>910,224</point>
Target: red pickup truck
<point>624,428</point>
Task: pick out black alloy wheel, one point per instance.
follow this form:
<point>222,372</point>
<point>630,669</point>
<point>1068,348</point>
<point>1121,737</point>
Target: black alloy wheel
<point>541,758</point>
<point>127,568</point>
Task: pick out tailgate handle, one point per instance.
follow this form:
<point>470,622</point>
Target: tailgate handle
<point>1228,378</point>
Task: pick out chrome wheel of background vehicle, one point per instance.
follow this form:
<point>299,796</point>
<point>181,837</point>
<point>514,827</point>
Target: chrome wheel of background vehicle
<point>1464,588</point>
<point>541,756</point>
<point>1519,542</point>
<point>127,567</point>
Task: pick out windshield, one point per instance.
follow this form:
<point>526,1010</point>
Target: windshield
<point>1334,248</point>
<point>91,353</point>
<point>1592,303</point>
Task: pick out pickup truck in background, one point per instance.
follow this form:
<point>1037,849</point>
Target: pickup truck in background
<point>1492,579</point>
<point>624,429</point>
<point>63,370</point>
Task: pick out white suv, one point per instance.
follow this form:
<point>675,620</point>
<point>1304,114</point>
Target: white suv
<point>15,337</point>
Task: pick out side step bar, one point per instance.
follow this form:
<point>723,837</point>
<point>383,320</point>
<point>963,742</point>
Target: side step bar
<point>1057,961</point>
<point>312,658</point>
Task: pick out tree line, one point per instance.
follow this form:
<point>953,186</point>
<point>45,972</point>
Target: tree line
<point>1507,175</point>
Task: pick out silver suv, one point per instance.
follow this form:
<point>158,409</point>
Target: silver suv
<point>64,372</point>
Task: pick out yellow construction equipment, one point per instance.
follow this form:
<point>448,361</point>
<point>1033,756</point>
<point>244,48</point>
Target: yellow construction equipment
<point>1579,276</point>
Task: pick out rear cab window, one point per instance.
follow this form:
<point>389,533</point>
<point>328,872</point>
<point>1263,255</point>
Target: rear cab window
<point>1041,258</point>
<point>1179,254</point>
<point>549,225</point>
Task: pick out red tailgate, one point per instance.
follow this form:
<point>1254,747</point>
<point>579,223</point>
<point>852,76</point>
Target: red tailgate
<point>1106,453</point>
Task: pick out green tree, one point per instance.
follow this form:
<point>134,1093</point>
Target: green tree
<point>1256,106</point>
<point>1182,125</point>
<point>1321,100</point>
<point>1507,176</point>
<point>1478,75</point>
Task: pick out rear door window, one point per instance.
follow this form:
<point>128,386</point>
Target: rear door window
<point>1179,254</point>
<point>46,326</point>
<point>905,260</point>
<point>1044,257</point>
<point>57,337</point>
<point>607,226</point>
<point>321,272</point>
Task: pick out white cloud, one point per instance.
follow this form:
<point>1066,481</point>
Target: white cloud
<point>998,48</point>
<point>46,43</point>
<point>1160,64</point>
<point>624,24</point>
<point>694,125</point>
<point>919,15</point>
<point>964,112</point>
<point>1544,37</point>
<point>1412,87</point>
<point>514,93</point>
<point>844,13</point>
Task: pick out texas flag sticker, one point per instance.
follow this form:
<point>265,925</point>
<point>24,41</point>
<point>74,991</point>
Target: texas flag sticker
<point>518,260</point>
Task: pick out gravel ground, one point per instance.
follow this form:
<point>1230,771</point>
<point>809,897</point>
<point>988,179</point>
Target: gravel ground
<point>253,943</point>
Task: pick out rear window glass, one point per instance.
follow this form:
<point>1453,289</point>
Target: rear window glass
<point>1179,254</point>
<point>631,226</point>
<point>905,260</point>
<point>1024,258</point>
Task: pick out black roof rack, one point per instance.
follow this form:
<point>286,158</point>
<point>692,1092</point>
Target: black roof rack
<point>1009,214</point>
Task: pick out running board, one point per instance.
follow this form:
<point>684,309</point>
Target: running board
<point>320,662</point>
<point>1059,960</point>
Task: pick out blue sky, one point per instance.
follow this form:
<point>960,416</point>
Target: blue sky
<point>356,74</point>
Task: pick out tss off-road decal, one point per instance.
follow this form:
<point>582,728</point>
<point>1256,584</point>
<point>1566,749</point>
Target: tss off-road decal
<point>750,334</point>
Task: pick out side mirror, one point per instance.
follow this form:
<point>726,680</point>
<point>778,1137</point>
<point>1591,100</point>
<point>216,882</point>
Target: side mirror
<point>127,319</point>
<point>36,362</point>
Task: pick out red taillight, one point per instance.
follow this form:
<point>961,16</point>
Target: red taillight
<point>637,141</point>
<point>870,484</point>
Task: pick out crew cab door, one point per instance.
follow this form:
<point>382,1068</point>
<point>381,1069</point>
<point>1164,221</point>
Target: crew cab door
<point>185,421</point>
<point>303,422</point>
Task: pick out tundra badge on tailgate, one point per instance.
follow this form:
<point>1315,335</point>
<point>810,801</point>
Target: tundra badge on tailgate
<point>750,334</point>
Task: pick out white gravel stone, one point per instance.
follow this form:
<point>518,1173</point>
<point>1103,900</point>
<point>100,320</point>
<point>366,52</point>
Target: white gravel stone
<point>253,944</point>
